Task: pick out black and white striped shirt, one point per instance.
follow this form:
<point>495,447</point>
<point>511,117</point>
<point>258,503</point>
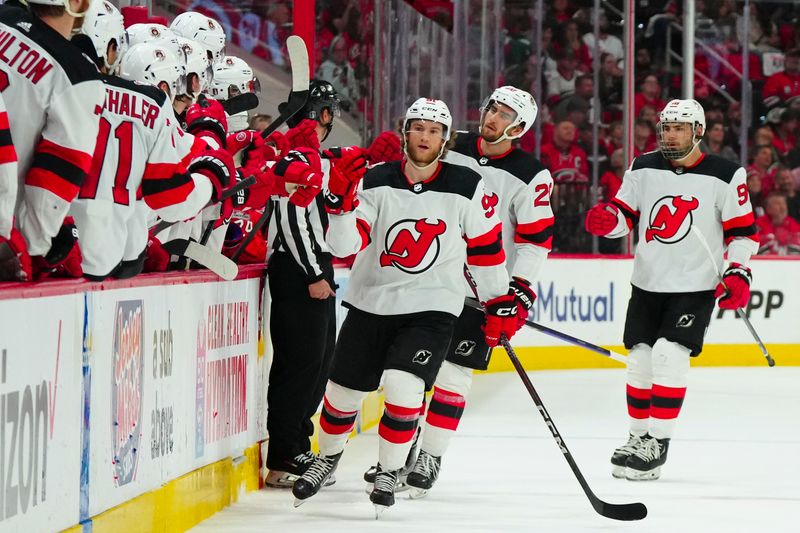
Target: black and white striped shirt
<point>301,231</point>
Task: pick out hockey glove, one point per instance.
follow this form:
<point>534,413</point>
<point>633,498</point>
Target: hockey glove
<point>207,118</point>
<point>524,296</point>
<point>15,263</point>
<point>735,287</point>
<point>350,161</point>
<point>252,148</point>
<point>341,195</point>
<point>601,219</point>
<point>300,175</point>
<point>501,319</point>
<point>304,135</point>
<point>63,260</point>
<point>277,141</point>
<point>157,259</point>
<point>218,167</point>
<point>385,148</point>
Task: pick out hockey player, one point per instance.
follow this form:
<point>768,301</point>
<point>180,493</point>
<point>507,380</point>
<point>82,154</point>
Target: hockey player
<point>414,226</point>
<point>301,284</point>
<point>135,157</point>
<point>232,77</point>
<point>203,30</point>
<point>53,97</point>
<point>677,191</point>
<point>12,247</point>
<point>518,190</point>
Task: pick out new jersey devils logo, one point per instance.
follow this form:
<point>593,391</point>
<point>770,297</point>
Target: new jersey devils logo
<point>671,219</point>
<point>412,245</point>
<point>489,202</point>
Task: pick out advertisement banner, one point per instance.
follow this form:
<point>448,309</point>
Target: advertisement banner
<point>40,413</point>
<point>172,383</point>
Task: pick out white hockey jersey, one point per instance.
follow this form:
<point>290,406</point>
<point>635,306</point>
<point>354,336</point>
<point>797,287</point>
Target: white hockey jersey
<point>665,202</point>
<point>518,189</point>
<point>54,97</point>
<point>136,157</point>
<point>415,239</point>
<point>8,174</point>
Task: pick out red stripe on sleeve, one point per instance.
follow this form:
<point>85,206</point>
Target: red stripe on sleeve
<point>4,121</point>
<point>364,230</point>
<point>50,181</point>
<point>739,222</point>
<point>170,197</point>
<point>80,159</point>
<point>159,170</point>
<point>8,154</point>
<point>488,238</point>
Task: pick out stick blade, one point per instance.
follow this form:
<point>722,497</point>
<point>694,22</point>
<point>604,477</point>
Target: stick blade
<point>298,57</point>
<point>242,102</point>
<point>625,512</point>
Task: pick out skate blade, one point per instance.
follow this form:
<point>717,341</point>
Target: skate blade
<point>298,502</point>
<point>330,481</point>
<point>638,475</point>
<point>416,494</point>
<point>618,471</point>
<point>379,510</point>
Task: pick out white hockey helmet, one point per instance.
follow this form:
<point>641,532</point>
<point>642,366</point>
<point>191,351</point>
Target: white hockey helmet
<point>433,110</point>
<point>64,4</point>
<point>152,63</point>
<point>195,63</point>
<point>205,30</point>
<point>232,77</point>
<point>520,101</point>
<point>103,23</point>
<point>152,33</point>
<point>681,111</point>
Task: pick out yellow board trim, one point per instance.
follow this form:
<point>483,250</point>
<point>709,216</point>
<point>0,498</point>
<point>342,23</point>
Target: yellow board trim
<point>575,357</point>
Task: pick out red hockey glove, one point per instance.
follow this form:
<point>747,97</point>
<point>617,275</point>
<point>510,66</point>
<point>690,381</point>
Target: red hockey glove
<point>501,319</point>
<point>218,167</point>
<point>735,287</point>
<point>63,260</point>
<point>15,263</point>
<point>304,135</point>
<point>601,219</point>
<point>386,147</point>
<point>279,144</point>
<point>350,161</point>
<point>524,296</point>
<point>207,118</point>
<point>299,174</point>
<point>157,259</point>
<point>341,195</point>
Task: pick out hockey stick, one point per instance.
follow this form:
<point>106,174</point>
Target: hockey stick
<point>239,103</point>
<point>739,311</point>
<point>298,57</point>
<point>564,337</point>
<point>256,228</point>
<point>214,261</point>
<point>625,511</point>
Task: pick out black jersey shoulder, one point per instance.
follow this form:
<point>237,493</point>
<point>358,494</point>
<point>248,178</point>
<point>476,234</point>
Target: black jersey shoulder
<point>76,65</point>
<point>466,143</point>
<point>453,179</point>
<point>518,163</point>
<point>711,165</point>
<point>150,91</point>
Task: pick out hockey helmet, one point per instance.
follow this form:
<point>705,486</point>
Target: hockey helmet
<point>152,32</point>
<point>103,24</point>
<point>64,4</point>
<point>195,63</point>
<point>321,96</point>
<point>520,101</point>
<point>204,30</point>
<point>232,77</point>
<point>433,110</point>
<point>681,111</point>
<point>153,64</point>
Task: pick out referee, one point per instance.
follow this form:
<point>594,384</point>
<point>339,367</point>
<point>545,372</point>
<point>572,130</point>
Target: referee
<point>303,312</point>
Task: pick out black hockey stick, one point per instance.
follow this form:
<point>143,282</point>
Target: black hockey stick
<point>565,337</point>
<point>615,511</point>
<point>739,311</point>
<point>298,57</point>
<point>239,103</point>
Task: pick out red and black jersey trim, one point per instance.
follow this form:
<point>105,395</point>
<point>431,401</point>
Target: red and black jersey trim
<point>743,226</point>
<point>58,169</point>
<point>7,152</point>
<point>539,233</point>
<point>364,231</point>
<point>631,215</point>
<point>163,186</point>
<point>487,249</point>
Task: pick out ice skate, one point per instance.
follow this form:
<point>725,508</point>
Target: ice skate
<point>645,463</point>
<point>621,455</point>
<point>287,472</point>
<point>315,477</point>
<point>424,475</point>
<point>382,494</point>
<point>369,475</point>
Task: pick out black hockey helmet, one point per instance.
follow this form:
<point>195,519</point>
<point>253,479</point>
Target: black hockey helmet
<point>321,95</point>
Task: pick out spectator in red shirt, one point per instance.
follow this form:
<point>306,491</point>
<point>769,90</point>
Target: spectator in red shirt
<point>614,137</point>
<point>785,138</point>
<point>778,233</point>
<point>650,94</point>
<point>565,160</point>
<point>785,85</point>
<point>764,166</point>
<point>611,181</point>
<point>560,10</point>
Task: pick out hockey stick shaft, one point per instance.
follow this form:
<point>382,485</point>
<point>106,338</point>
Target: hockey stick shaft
<point>630,511</point>
<point>739,311</point>
<point>298,59</point>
